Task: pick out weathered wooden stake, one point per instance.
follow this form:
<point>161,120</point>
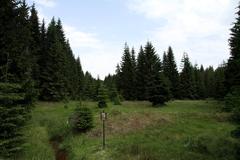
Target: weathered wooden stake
<point>103,118</point>
<point>103,134</point>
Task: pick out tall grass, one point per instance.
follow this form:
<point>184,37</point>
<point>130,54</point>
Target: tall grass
<point>186,130</point>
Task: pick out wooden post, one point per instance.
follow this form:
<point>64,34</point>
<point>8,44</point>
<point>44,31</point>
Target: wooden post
<point>103,118</point>
<point>103,134</point>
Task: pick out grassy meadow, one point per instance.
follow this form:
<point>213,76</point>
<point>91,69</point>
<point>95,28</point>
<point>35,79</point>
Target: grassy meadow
<point>180,130</point>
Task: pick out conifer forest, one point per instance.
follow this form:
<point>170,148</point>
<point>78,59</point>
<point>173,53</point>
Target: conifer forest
<point>157,108</point>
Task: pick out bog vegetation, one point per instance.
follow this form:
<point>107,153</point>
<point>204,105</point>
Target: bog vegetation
<point>37,63</point>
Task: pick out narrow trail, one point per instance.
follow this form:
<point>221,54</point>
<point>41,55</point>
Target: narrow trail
<point>60,154</point>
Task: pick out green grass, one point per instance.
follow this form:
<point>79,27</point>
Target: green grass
<point>188,130</point>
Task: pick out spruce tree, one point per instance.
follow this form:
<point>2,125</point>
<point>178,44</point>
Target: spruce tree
<point>233,71</point>
<point>127,72</point>
<point>80,78</point>
<point>141,81</point>
<point>133,74</point>
<point>19,55</point>
<point>165,64</point>
<point>113,94</point>
<point>171,72</point>
<point>219,76</point>
<point>16,86</point>
<point>153,66</point>
<point>210,81</point>
<point>233,65</point>
<point>157,90</point>
<point>196,82</point>
<point>89,88</point>
<point>186,79</point>
<point>102,96</point>
<point>12,118</point>
<point>202,87</point>
<point>8,21</point>
<point>52,76</point>
<point>35,44</point>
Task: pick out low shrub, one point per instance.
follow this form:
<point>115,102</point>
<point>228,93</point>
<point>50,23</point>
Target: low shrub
<point>81,120</point>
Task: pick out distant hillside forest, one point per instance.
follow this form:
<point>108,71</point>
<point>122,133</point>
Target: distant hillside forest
<point>37,63</point>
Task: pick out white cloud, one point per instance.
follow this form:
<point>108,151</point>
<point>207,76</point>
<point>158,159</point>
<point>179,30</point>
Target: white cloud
<point>79,39</point>
<point>46,3</point>
<point>97,56</point>
<point>198,27</point>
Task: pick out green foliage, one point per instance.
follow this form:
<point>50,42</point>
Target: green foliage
<point>14,108</point>
<point>220,88</point>
<point>220,148</point>
<point>187,79</point>
<point>232,100</point>
<point>233,65</point>
<point>90,87</point>
<point>158,90</point>
<point>232,77</point>
<point>82,119</point>
<point>127,74</point>
<point>102,97</point>
<point>232,103</point>
<point>141,72</point>
<point>192,82</point>
<point>236,133</point>
<point>110,83</point>
<point>116,100</point>
<point>171,72</point>
<point>166,134</point>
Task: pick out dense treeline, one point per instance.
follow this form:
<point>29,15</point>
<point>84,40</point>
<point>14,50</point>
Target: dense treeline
<point>35,62</point>
<point>44,52</point>
<point>137,78</point>
<point>16,84</point>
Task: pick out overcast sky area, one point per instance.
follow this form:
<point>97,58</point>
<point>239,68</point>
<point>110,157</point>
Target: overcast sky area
<point>98,29</point>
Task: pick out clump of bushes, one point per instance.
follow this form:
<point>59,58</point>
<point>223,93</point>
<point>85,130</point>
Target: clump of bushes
<point>81,120</point>
<point>219,148</point>
<point>232,100</point>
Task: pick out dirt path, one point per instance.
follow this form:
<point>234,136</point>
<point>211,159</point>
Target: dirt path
<point>60,154</point>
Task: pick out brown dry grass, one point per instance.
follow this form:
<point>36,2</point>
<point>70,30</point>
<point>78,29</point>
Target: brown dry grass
<point>121,123</point>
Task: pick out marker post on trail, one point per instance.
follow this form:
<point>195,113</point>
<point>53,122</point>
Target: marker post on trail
<point>103,117</point>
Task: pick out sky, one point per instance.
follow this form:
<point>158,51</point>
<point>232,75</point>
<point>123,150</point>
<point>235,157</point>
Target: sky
<point>98,29</point>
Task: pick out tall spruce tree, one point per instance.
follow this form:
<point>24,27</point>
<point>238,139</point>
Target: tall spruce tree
<point>141,81</point>
<point>202,87</point>
<point>157,90</point>
<point>15,75</point>
<point>133,77</point>
<point>233,65</point>
<point>186,79</point>
<point>35,44</point>
<point>89,88</point>
<point>232,74</point>
<point>102,96</point>
<point>165,64</point>
<point>80,79</point>
<point>219,76</point>
<point>52,76</point>
<point>171,72</point>
<point>196,82</point>
<point>127,72</point>
<point>209,78</point>
<point>8,21</point>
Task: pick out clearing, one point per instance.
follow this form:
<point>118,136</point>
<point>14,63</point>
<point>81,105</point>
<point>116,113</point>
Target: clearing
<point>187,130</point>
